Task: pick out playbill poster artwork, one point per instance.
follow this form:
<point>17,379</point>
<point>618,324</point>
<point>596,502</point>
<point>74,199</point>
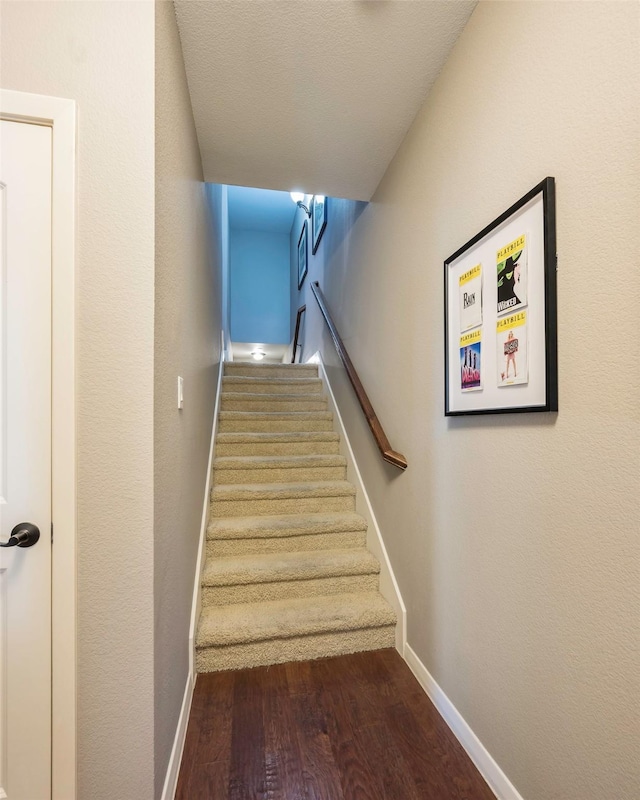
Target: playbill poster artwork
<point>470,291</point>
<point>512,275</point>
<point>470,361</point>
<point>500,313</point>
<point>512,355</point>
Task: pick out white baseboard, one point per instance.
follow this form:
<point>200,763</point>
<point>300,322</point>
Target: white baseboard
<point>389,588</point>
<point>196,602</point>
<point>498,782</point>
<point>173,769</point>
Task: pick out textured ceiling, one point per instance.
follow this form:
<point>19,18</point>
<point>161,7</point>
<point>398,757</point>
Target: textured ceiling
<point>260,210</point>
<point>313,95</point>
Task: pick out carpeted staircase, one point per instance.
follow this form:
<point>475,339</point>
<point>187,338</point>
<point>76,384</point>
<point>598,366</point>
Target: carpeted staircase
<point>287,575</point>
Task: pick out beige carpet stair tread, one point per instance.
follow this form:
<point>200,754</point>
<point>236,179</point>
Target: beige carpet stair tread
<point>275,421</point>
<point>239,383</point>
<point>235,366</point>
<point>290,436</point>
<point>277,567</point>
<point>288,371</point>
<point>276,415</point>
<point>284,443</point>
<point>246,401</point>
<point>261,397</point>
<point>286,619</point>
<point>300,648</point>
<point>345,540</point>
<point>279,462</point>
<point>276,525</point>
<point>262,491</point>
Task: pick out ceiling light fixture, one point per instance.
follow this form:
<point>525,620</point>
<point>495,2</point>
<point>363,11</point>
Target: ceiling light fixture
<point>297,198</point>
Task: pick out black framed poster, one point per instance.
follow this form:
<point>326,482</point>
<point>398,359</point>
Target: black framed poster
<point>319,211</point>
<point>501,313</point>
<point>303,255</point>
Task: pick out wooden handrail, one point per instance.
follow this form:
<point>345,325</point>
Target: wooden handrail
<point>301,311</point>
<point>397,459</point>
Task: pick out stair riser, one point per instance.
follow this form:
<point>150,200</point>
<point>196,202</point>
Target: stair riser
<point>272,387</point>
<point>254,425</point>
<point>286,544</point>
<point>289,505</point>
<point>225,477</point>
<point>284,590</point>
<point>277,448</point>
<point>259,404</point>
<point>270,371</point>
<point>257,654</point>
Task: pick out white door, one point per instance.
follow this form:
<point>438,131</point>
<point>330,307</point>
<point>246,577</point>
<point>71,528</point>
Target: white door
<point>25,460</point>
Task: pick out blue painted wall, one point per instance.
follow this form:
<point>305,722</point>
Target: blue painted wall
<point>259,286</point>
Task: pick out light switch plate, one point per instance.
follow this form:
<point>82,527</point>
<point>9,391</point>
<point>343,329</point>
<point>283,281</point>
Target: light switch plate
<point>180,392</point>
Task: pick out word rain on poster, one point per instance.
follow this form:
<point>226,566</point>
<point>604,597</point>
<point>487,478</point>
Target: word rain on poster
<point>470,292</point>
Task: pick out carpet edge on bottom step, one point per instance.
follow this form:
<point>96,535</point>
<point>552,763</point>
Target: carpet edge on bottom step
<point>281,619</point>
<point>258,654</point>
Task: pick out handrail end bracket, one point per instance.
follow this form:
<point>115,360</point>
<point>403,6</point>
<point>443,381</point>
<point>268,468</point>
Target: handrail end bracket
<point>397,459</point>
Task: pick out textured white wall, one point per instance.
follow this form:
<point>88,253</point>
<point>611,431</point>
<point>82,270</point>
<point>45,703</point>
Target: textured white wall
<point>527,616</point>
<point>101,55</point>
<point>187,343</point>
<point>272,106</point>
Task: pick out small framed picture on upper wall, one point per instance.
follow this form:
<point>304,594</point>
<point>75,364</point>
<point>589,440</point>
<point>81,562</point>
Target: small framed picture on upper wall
<point>319,206</point>
<point>302,255</point>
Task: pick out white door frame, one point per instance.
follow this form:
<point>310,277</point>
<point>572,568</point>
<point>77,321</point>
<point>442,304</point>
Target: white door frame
<point>60,115</point>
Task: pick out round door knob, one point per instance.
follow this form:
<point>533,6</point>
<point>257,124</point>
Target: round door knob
<point>23,535</point>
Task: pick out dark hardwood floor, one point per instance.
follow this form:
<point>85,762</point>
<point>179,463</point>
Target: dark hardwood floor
<point>356,727</point>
